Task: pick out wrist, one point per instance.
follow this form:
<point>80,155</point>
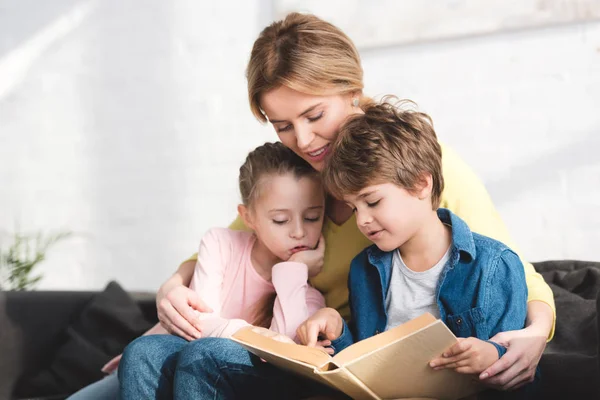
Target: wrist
<point>540,318</point>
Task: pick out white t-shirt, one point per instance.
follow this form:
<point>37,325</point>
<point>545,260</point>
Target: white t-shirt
<point>411,293</point>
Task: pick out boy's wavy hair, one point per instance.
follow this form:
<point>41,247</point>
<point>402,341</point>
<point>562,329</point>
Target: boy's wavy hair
<point>388,143</point>
<point>270,159</point>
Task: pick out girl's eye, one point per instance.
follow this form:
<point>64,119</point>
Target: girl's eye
<point>316,117</point>
<point>279,222</point>
<point>373,204</point>
<point>316,219</point>
<point>284,128</point>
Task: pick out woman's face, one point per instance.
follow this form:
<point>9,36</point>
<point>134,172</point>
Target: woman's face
<point>306,123</point>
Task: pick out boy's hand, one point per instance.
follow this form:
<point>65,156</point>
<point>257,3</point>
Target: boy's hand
<point>314,259</point>
<point>468,356</point>
<point>326,322</point>
<point>271,334</point>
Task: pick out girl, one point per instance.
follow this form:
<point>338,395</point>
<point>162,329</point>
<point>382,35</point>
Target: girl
<point>257,277</point>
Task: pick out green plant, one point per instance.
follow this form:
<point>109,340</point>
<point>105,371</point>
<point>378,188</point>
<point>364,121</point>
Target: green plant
<point>20,258</point>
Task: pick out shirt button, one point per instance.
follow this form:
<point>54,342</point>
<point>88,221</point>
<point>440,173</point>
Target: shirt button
<point>459,321</point>
<point>377,332</point>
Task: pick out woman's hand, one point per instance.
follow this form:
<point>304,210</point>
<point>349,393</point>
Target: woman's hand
<point>314,259</point>
<point>517,366</point>
<point>178,307</point>
<point>468,356</point>
<point>112,365</point>
<point>524,350</point>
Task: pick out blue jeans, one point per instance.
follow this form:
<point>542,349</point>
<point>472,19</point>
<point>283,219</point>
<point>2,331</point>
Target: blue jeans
<point>165,367</point>
<point>105,389</point>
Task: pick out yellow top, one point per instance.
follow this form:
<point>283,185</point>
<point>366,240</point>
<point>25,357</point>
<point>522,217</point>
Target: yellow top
<point>463,194</point>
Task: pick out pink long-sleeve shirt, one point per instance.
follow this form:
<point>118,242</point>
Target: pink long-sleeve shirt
<point>228,283</point>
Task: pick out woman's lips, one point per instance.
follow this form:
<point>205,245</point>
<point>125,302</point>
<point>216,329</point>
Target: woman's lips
<point>318,154</point>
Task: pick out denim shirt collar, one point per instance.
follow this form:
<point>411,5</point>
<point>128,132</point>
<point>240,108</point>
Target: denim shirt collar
<point>462,242</point>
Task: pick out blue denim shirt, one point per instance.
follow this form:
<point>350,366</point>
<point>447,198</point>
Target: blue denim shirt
<point>481,290</point>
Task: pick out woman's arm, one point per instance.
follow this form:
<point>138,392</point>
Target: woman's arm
<point>177,305</point>
<point>465,195</point>
<point>525,347</point>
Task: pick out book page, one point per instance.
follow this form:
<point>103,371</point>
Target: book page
<point>401,369</point>
<point>307,355</point>
<point>376,342</point>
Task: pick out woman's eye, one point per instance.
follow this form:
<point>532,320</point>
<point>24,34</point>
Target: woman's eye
<point>373,204</point>
<point>284,128</point>
<point>315,118</point>
<point>279,222</point>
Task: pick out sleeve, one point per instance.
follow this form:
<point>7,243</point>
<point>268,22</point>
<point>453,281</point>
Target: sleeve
<point>296,300</point>
<point>345,340</point>
<point>236,225</point>
<point>506,297</point>
<point>213,257</point>
<point>465,195</point>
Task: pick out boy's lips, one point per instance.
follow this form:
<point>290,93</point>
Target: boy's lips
<point>299,248</point>
<point>375,234</point>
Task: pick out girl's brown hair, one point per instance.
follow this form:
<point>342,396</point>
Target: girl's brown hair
<point>306,54</point>
<point>264,161</point>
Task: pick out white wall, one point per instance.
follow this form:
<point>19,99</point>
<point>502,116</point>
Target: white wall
<point>126,122</point>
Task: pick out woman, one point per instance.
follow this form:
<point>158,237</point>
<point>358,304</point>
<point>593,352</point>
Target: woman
<point>305,78</point>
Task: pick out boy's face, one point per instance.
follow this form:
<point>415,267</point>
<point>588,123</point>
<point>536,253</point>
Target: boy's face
<point>388,215</point>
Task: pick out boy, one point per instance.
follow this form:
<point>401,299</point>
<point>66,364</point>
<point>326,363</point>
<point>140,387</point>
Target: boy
<point>386,165</point>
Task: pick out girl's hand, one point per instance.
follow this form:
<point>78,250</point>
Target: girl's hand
<point>326,322</point>
<point>112,365</point>
<point>468,356</point>
<point>314,259</point>
<point>517,366</point>
<point>272,334</point>
<point>178,312</point>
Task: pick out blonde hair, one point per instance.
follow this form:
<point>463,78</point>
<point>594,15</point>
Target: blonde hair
<point>306,54</point>
<point>265,161</point>
<point>385,144</point>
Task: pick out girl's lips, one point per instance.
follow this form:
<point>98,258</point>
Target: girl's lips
<point>298,248</point>
<point>318,154</point>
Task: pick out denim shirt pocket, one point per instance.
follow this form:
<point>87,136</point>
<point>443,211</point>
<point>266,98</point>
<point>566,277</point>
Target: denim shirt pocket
<point>467,323</point>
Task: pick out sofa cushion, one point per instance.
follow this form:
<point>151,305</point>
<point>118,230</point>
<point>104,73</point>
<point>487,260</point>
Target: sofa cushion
<point>102,329</point>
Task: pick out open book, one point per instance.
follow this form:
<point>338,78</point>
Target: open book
<point>391,365</point>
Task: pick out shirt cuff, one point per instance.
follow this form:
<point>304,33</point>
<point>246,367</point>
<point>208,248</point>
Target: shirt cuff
<point>345,339</point>
<point>501,349</point>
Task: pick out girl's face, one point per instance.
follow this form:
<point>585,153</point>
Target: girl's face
<point>306,123</point>
<point>288,214</point>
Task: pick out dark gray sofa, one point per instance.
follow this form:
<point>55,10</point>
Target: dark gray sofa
<point>31,325</point>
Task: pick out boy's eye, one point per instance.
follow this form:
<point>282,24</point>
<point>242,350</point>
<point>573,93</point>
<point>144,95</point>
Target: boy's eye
<point>278,222</point>
<point>373,204</point>
<point>316,117</point>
